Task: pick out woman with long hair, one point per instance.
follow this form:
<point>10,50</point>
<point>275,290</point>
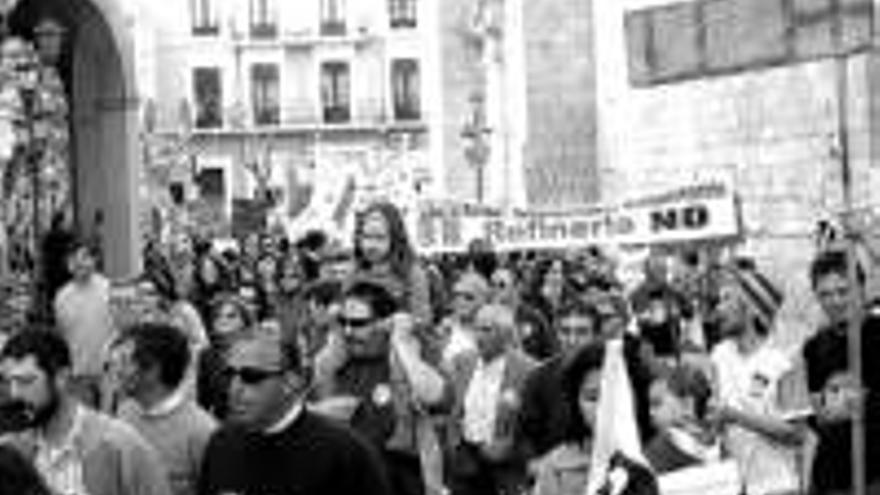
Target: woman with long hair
<point>231,317</point>
<point>382,249</point>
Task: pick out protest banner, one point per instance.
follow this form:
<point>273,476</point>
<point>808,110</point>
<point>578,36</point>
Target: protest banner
<point>689,213</point>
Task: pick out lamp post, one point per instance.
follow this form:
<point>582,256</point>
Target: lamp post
<point>476,135</point>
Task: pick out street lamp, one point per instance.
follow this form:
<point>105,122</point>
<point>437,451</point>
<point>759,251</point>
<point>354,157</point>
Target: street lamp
<point>476,135</point>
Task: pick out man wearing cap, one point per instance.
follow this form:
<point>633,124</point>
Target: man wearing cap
<point>760,399</point>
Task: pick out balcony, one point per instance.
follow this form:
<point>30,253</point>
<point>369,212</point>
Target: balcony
<point>333,27</point>
<point>306,116</point>
<point>264,31</point>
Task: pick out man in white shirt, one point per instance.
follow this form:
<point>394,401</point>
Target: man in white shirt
<point>487,457</point>
<point>757,402</point>
<point>82,313</point>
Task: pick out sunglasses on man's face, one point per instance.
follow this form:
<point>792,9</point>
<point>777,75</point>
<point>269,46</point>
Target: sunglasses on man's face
<point>251,376</point>
<point>354,322</point>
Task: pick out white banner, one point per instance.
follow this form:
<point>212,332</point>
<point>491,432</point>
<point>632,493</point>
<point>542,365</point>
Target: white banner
<point>689,213</point>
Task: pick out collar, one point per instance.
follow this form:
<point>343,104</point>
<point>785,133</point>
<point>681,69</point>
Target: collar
<point>496,363</point>
<point>288,419</point>
<point>166,406</point>
<point>68,443</point>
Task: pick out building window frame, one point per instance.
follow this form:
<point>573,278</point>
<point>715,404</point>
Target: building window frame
<point>403,14</point>
<point>207,88</point>
<point>406,91</point>
<point>263,19</point>
<point>204,17</point>
<point>336,91</point>
<point>333,18</point>
<point>265,78</point>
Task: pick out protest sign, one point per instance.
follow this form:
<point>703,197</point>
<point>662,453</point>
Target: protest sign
<point>689,213</point>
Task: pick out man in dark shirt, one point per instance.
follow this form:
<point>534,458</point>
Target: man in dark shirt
<point>828,379</point>
<point>272,444</point>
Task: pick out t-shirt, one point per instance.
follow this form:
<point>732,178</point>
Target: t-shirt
<point>82,311</point>
<point>179,434</point>
<point>311,456</point>
<point>753,383</point>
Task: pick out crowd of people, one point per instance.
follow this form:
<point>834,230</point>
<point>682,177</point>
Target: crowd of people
<point>304,367</point>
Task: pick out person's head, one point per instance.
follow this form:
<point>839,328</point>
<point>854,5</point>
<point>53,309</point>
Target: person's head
<point>365,304</point>
<point>505,286</point>
<point>581,384</point>
<point>321,297</point>
<point>831,284</point>
<point>266,377</point>
<point>679,397</point>
<point>151,357</point>
<point>746,301</point>
<point>469,293</point>
<point>578,324</point>
<point>337,263</point>
<point>209,270</point>
<point>19,475</point>
<point>35,365</point>
<point>613,314</point>
<point>81,260</point>
<point>381,238</point>
<point>267,271</point>
<point>494,330</point>
<point>250,246</point>
<point>230,317</point>
<point>291,275</point>
<point>163,282</point>
<point>656,268</point>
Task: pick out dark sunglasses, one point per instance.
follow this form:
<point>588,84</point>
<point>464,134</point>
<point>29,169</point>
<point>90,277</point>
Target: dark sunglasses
<point>251,376</point>
<point>354,322</point>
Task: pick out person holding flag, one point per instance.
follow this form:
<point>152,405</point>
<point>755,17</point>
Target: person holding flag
<point>760,405</point>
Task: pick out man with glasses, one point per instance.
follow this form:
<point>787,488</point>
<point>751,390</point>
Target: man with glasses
<point>381,374</point>
<point>272,444</point>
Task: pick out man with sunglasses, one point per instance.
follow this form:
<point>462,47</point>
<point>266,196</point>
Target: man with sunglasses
<point>380,373</point>
<point>272,444</point>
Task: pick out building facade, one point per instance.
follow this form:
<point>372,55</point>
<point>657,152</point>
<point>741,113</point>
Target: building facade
<point>317,101</point>
<point>759,92</point>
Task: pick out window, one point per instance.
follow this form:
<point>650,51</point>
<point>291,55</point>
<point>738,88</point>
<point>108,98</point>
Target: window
<point>204,17</point>
<point>402,13</point>
<point>708,37</point>
<point>263,23</point>
<point>265,94</point>
<point>335,92</point>
<point>333,17</point>
<point>405,87</point>
<point>208,96</point>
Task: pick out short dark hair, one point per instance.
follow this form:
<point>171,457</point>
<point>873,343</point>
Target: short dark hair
<point>162,345</point>
<point>833,261</point>
<point>291,355</point>
<point>50,350</point>
<point>687,381</point>
<point>377,295</point>
<point>579,307</point>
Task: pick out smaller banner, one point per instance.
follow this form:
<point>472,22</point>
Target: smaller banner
<point>689,213</point>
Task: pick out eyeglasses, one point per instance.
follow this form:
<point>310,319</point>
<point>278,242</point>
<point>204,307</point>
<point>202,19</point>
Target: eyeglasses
<point>251,376</point>
<point>354,322</point>
<point>467,296</point>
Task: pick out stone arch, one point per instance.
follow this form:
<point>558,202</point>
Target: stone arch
<point>98,68</point>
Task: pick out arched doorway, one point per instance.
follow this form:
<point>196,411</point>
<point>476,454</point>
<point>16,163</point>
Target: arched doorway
<point>97,67</point>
